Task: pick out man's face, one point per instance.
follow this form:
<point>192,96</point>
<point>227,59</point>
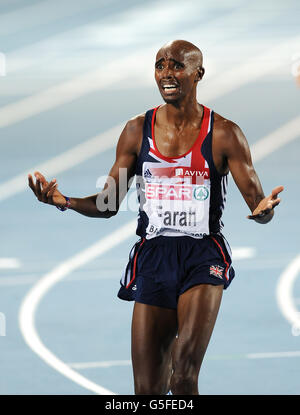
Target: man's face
<point>176,72</point>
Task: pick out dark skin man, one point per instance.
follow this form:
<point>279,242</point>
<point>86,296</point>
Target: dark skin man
<point>168,345</point>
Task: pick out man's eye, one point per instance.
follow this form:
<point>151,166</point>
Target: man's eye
<point>159,66</point>
<point>178,66</point>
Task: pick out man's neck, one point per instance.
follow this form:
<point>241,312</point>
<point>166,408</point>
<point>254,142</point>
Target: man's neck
<point>180,114</point>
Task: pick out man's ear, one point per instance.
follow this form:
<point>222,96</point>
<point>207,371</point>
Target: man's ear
<point>201,72</point>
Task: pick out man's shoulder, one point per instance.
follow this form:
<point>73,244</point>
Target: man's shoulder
<point>225,126</point>
<point>227,134</point>
<point>131,137</point>
<point>135,124</point>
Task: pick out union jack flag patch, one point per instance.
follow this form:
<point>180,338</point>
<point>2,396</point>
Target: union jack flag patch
<point>216,270</point>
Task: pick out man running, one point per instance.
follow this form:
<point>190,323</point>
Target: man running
<point>181,153</point>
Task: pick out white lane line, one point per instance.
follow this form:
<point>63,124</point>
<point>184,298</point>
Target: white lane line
<point>243,252</point>
<point>113,363</point>
<point>275,140</point>
<point>94,365</point>
<point>284,293</point>
<point>34,296</point>
<point>9,263</point>
<point>31,279</point>
<point>273,355</point>
<point>64,161</point>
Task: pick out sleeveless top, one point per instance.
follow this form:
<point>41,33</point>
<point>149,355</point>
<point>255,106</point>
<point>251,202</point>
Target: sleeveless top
<point>179,196</point>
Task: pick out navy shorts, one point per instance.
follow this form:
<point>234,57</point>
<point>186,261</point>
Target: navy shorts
<point>159,270</point>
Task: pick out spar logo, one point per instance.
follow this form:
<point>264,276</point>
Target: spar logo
<point>168,191</point>
<point>201,193</point>
<point>160,191</point>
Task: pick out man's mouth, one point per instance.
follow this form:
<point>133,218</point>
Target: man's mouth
<point>169,88</point>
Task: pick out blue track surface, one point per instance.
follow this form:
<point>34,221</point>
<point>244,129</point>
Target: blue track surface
<point>80,319</point>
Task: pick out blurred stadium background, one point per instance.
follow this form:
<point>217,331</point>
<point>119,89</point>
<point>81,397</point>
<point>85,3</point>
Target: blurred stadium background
<point>72,73</point>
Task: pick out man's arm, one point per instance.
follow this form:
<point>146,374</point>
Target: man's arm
<point>238,158</point>
<point>106,203</point>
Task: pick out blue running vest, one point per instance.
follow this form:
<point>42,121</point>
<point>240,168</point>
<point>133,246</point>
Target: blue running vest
<point>179,196</point>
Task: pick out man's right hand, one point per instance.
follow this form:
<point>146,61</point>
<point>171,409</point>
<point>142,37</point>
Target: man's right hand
<point>46,192</point>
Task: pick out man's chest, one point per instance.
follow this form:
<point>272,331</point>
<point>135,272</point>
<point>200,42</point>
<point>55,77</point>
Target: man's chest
<point>174,143</point>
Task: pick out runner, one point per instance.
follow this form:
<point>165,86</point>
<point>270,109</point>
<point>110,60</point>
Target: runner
<point>180,153</point>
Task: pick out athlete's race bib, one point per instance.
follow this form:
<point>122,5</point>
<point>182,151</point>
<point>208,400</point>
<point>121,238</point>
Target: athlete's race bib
<point>177,201</point>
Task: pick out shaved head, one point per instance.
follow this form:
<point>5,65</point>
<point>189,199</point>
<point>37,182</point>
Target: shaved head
<point>184,48</point>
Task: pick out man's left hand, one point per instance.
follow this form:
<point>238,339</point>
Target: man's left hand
<point>267,204</point>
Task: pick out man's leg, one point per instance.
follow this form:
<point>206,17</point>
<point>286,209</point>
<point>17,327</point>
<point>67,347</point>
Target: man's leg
<point>197,312</point>
<point>153,332</point>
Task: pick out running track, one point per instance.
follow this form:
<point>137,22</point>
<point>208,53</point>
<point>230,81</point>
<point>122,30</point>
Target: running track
<point>74,75</point>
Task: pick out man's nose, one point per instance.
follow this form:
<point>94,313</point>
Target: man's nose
<point>167,72</point>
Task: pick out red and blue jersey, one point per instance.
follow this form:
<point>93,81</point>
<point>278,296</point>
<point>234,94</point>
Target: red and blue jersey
<point>178,196</point>
<point>183,195</point>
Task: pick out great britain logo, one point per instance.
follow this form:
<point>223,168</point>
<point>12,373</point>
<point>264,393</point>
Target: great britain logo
<point>216,271</point>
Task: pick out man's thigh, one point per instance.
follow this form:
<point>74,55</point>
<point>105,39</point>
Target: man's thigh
<point>197,312</point>
<point>153,332</point>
